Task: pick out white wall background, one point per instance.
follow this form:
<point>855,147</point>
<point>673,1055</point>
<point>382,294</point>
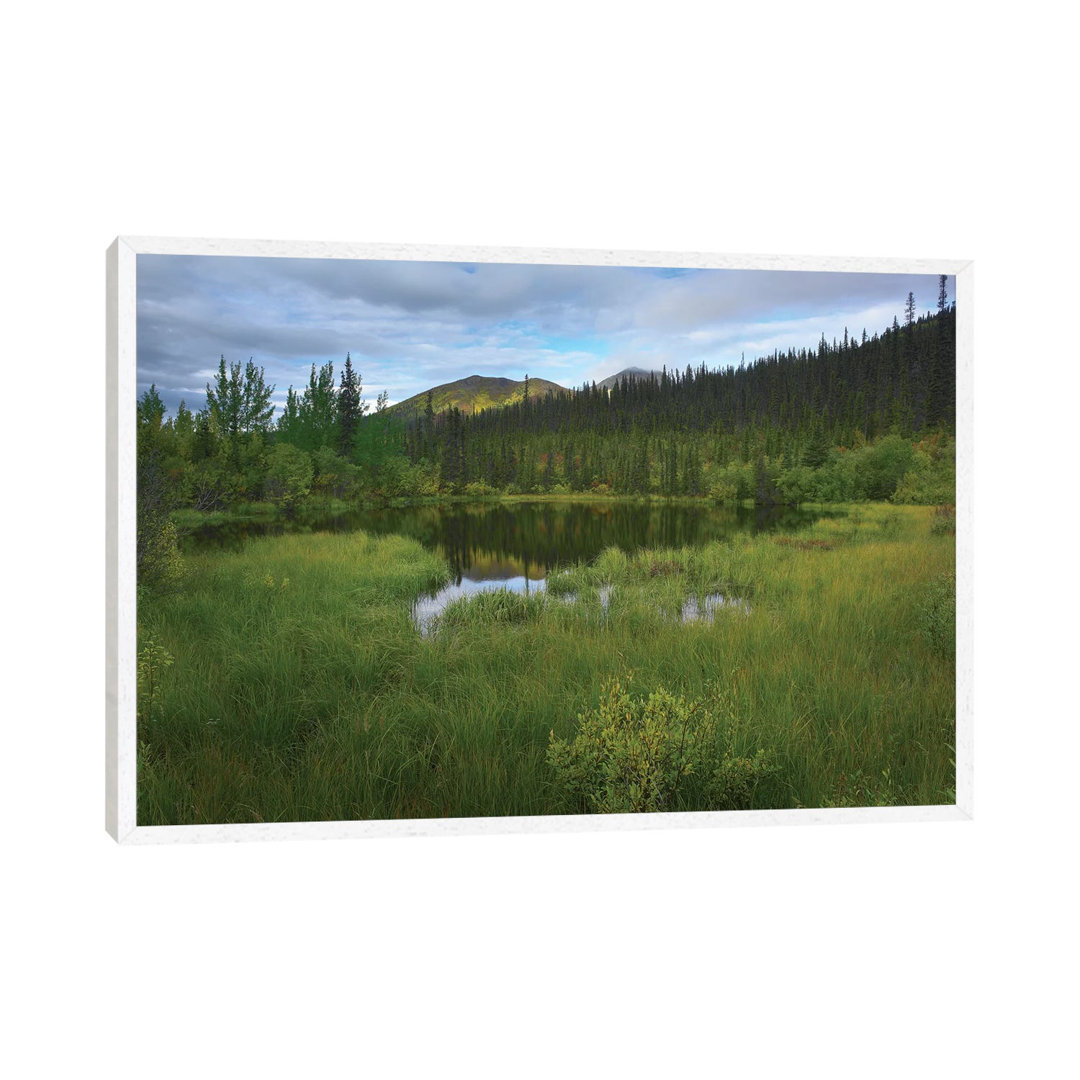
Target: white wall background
<point>922,129</point>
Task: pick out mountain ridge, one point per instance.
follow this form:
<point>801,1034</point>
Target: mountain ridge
<point>631,373</point>
<point>474,393</point>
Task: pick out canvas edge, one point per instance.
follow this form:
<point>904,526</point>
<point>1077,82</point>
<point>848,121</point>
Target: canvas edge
<point>120,619</point>
<point>965,538</point>
<point>318,249</point>
<point>112,404</point>
<point>120,542</point>
<point>537,825</point>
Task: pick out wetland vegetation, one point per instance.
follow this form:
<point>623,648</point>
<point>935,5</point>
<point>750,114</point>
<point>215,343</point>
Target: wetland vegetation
<point>302,690</point>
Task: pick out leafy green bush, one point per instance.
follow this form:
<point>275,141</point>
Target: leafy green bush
<point>152,662</point>
<point>723,490</point>
<point>332,474</point>
<point>159,564</point>
<point>661,752</point>
<point>798,485</point>
<point>289,476</point>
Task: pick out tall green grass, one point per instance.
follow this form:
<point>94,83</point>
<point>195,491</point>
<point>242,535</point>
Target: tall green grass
<point>301,690</point>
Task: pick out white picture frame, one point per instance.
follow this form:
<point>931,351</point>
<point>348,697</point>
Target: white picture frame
<point>120,713</point>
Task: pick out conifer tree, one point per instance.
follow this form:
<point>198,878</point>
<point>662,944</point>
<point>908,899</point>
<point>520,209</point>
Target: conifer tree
<point>350,407</point>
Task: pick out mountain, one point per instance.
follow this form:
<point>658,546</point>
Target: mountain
<point>473,394</point>
<point>630,373</point>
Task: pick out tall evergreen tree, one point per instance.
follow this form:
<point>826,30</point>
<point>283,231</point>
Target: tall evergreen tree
<point>350,407</point>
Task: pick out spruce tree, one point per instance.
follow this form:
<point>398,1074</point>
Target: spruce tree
<point>350,407</point>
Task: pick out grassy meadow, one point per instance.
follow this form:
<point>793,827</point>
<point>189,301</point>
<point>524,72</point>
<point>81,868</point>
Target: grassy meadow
<point>286,681</point>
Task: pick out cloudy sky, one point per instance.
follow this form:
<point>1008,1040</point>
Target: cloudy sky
<point>411,325</point>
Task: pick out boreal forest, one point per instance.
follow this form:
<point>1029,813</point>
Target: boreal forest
<point>870,416</point>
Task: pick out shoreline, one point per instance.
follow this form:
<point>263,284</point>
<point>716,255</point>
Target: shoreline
<point>267,512</point>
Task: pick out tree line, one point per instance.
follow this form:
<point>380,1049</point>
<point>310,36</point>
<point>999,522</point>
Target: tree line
<point>857,418</point>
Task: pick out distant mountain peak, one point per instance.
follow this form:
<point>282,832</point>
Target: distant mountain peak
<point>631,373</point>
<point>473,393</point>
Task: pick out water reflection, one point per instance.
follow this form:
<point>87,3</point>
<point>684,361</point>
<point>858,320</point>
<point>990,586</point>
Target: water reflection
<point>707,610</point>
<point>514,546</point>
<point>504,541</point>
<point>427,609</point>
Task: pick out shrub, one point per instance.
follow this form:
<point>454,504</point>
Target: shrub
<point>661,752</point>
<point>723,491</point>
<point>332,474</point>
<point>884,465</point>
<point>159,564</point>
<point>289,476</point>
<point>157,555</point>
<point>797,485</point>
<point>152,662</point>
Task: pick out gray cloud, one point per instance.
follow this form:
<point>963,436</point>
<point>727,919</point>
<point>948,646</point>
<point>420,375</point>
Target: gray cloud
<point>409,325</point>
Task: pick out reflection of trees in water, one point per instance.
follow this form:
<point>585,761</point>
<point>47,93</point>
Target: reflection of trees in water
<point>511,539</point>
<point>538,537</point>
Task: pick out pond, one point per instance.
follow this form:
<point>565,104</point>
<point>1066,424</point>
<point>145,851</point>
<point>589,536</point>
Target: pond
<point>515,545</point>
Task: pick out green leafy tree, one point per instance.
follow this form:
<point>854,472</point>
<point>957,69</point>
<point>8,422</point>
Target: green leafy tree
<point>317,413</point>
<point>238,401</point>
<point>150,410</point>
<point>288,425</point>
<point>256,409</point>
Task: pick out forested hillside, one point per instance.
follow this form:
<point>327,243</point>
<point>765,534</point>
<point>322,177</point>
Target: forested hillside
<point>471,394</point>
<point>871,417</point>
<point>733,433</point>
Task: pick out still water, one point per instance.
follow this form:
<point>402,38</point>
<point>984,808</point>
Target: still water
<point>514,546</point>
<point>501,541</point>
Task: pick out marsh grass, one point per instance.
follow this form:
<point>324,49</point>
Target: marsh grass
<point>301,689</point>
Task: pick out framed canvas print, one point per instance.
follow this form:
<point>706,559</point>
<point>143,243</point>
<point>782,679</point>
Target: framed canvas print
<point>428,540</point>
